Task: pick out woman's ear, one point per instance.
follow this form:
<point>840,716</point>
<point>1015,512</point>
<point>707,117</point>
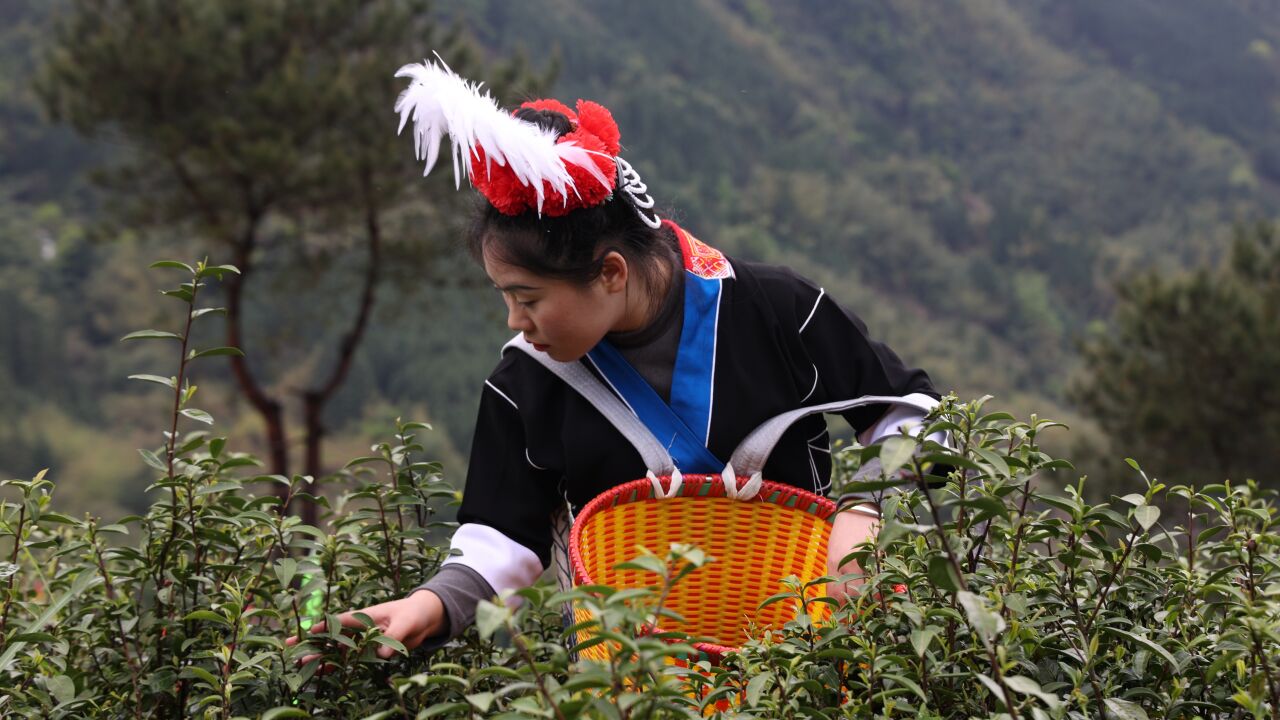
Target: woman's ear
<point>614,272</point>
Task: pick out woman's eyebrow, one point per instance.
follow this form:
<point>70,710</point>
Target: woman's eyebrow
<point>515,288</point>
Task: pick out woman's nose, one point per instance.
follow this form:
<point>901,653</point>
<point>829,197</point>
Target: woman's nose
<point>517,319</point>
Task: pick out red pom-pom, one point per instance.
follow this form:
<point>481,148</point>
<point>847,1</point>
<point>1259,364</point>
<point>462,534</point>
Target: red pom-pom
<point>589,190</point>
<point>597,120</point>
<point>499,185</point>
<point>594,130</point>
<point>552,105</point>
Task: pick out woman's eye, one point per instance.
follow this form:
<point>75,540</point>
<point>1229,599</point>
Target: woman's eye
<point>526,303</point>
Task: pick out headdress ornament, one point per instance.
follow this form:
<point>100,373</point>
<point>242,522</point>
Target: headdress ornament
<point>517,165</point>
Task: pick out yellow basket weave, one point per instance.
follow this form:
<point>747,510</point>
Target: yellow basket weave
<point>756,543</point>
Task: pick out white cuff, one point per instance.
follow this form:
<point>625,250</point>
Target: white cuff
<point>900,416</point>
<point>504,563</point>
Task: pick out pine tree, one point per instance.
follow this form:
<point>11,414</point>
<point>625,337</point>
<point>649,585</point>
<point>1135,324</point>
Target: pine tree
<point>1187,379</point>
<point>250,120</point>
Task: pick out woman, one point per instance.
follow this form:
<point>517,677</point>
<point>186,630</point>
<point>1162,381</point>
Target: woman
<point>701,347</point>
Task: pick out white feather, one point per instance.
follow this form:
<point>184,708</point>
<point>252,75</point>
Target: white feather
<point>441,103</point>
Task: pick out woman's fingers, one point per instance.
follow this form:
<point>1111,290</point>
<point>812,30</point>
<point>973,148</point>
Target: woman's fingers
<point>346,620</point>
<point>399,628</point>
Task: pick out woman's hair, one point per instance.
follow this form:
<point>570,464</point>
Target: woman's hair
<point>571,247</point>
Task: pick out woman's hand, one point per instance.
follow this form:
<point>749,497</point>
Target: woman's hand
<point>849,530</point>
<point>410,620</point>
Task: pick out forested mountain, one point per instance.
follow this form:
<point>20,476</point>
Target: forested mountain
<point>971,177</point>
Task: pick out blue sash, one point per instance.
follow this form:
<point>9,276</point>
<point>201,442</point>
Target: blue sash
<point>685,425</point>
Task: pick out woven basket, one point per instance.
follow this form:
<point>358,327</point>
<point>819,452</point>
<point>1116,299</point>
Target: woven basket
<point>755,544</point>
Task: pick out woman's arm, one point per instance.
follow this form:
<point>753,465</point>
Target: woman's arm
<point>850,528</point>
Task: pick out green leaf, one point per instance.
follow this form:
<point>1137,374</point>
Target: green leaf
<point>150,334</point>
<point>987,505</point>
<point>865,487</point>
<point>1123,709</point>
<point>37,637</point>
<point>909,684</point>
<point>1017,602</point>
<point>481,700</point>
<point>982,619</point>
<point>949,459</point>
<point>209,616</point>
<point>62,688</point>
<point>168,382</point>
<point>198,415</point>
<point>994,687</point>
<point>280,713</point>
<point>890,531</point>
<point>211,352</point>
<point>645,563</point>
<point>219,487</point>
<point>285,569</point>
<point>1027,686</point>
<point>81,583</point>
<point>943,574</point>
<point>445,708</point>
<point>363,460</point>
<point>490,617</point>
<point>195,671</point>
<point>1146,515</point>
<point>921,638</point>
<point>1209,534</point>
<point>896,452</point>
<point>755,688</point>
<point>172,264</point>
<point>219,270</point>
<point>994,459</point>
<point>153,460</point>
<point>1173,663</point>
<point>1134,499</point>
<point>392,643</point>
<point>201,312</point>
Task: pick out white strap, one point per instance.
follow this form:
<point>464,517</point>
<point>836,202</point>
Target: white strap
<point>747,460</point>
<point>653,453</point>
<point>677,480</point>
<point>751,455</point>
<point>749,490</point>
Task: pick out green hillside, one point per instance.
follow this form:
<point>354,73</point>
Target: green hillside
<point>971,177</point>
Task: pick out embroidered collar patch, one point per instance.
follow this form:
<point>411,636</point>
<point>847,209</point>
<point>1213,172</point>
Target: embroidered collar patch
<point>701,259</point>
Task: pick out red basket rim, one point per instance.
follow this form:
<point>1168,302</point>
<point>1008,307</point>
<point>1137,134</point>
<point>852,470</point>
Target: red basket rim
<point>774,493</point>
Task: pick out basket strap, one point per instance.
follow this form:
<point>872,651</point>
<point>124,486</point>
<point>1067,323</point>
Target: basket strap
<point>750,456</point>
<point>577,376</point>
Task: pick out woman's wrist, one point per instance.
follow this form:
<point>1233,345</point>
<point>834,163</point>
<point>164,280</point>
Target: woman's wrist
<point>431,608</point>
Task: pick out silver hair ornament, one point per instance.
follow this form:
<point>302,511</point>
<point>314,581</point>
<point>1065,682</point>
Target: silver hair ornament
<point>639,192</point>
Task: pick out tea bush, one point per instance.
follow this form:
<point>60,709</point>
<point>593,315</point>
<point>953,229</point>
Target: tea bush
<point>985,595</point>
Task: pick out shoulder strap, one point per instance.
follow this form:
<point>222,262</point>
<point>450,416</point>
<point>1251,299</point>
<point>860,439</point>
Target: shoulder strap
<point>748,459</point>
<point>575,375</point>
<point>750,456</point>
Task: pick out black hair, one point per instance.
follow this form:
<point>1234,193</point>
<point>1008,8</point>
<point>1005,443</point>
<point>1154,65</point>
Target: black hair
<point>571,247</point>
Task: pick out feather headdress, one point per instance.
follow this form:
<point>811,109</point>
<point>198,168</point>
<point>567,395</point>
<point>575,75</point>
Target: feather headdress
<point>517,165</point>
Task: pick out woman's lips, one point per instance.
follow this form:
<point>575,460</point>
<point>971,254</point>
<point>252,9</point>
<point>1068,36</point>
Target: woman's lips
<point>540,348</point>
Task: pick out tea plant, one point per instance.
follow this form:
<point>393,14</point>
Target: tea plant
<point>988,593</point>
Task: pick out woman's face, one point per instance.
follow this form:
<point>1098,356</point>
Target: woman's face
<point>560,318</point>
